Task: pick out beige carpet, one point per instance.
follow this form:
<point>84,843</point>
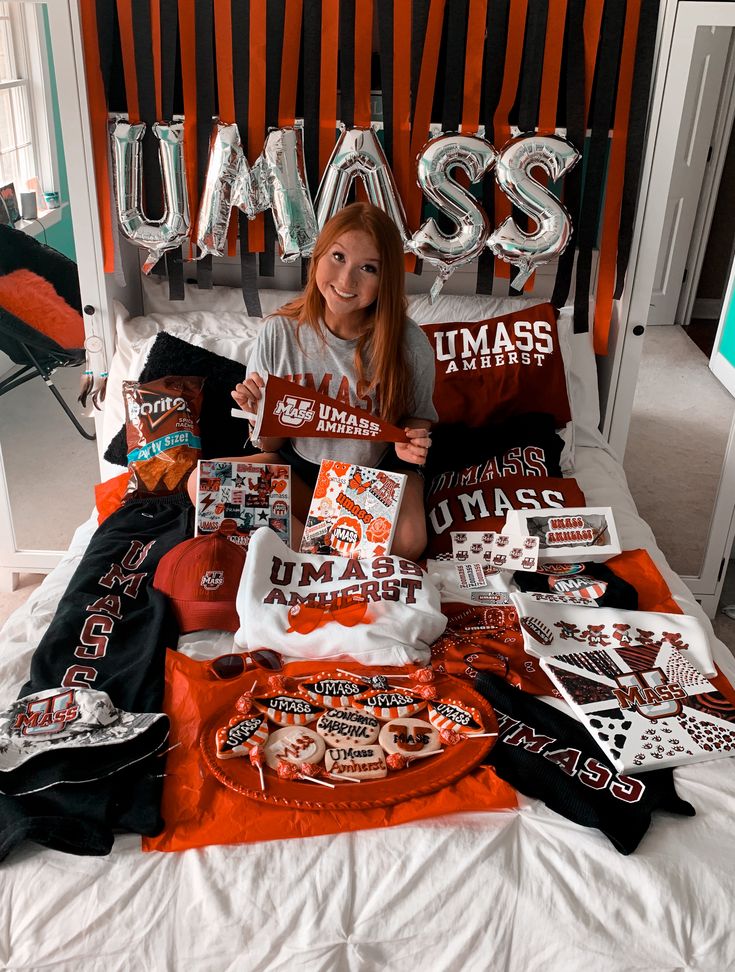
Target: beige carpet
<point>51,468</point>
<point>678,434</point>
<point>27,584</point>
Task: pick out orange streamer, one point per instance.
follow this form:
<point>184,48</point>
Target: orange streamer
<point>424,101</point>
<point>402,106</point>
<point>225,88</point>
<point>473,66</point>
<point>187,41</point>
<point>328,81</point>
<point>402,95</point>
<point>127,44</point>
<point>614,184</point>
<point>550,86</point>
<point>98,121</point>
<point>552,66</point>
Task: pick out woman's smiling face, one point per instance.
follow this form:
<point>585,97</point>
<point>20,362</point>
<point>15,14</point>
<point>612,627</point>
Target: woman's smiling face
<point>348,278</point>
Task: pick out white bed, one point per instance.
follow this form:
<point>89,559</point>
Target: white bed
<point>522,889</point>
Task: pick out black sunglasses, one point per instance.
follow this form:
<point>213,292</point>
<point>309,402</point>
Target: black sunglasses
<point>230,666</point>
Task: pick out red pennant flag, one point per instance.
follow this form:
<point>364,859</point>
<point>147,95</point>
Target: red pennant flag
<point>291,410</point>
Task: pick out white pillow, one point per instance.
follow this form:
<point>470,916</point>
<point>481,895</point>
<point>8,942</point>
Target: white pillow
<point>284,602</point>
<point>216,320</point>
<point>227,333</point>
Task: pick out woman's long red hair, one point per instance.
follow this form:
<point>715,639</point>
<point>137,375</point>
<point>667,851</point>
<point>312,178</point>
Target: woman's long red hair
<point>380,357</point>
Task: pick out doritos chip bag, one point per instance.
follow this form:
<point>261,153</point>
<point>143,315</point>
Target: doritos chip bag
<point>162,428</point>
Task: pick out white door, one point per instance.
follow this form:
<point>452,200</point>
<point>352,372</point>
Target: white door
<point>707,586</point>
<point>707,69</point>
<point>67,49</point>
<point>683,28</point>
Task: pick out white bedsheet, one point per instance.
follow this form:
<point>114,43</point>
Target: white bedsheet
<point>523,890</point>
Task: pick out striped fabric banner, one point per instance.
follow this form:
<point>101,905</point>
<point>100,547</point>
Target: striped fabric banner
<point>579,67</point>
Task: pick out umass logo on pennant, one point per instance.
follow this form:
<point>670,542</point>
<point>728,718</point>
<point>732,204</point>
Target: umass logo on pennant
<point>293,411</point>
<point>650,693</point>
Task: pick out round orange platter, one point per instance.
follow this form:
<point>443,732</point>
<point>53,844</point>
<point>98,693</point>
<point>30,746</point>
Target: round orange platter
<point>421,777</point>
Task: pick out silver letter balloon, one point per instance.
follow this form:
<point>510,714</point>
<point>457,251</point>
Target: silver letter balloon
<point>169,232</point>
<point>554,227</point>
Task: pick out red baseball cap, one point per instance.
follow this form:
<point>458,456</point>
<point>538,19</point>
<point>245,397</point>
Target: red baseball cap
<point>201,578</point>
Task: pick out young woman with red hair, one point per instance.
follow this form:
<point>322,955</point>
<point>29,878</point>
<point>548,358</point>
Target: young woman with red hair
<point>349,337</point>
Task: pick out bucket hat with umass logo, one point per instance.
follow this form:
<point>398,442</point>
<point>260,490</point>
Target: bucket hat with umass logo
<point>201,578</point>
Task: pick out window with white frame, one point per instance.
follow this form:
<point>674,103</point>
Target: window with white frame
<point>27,150</point>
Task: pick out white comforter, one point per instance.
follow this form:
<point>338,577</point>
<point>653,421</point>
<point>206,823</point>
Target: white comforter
<point>518,890</point>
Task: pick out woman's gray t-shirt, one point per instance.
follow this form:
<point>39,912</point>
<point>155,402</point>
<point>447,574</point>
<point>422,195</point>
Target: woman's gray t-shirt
<point>327,364</point>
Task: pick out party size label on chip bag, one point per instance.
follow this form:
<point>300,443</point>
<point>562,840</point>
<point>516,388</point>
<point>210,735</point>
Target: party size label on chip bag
<point>162,430</point>
<point>163,444</point>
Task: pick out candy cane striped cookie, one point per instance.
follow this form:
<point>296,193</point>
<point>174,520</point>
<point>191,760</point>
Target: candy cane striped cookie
<point>288,709</point>
<point>332,691</point>
<point>388,705</point>
<point>449,714</point>
<point>240,734</point>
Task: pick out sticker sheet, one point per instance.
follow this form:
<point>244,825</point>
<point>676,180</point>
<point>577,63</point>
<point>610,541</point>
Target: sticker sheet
<point>503,551</point>
<point>238,498</point>
<point>353,511</point>
<point>631,677</point>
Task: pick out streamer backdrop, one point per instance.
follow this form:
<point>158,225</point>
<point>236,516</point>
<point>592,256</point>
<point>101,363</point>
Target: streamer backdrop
<point>580,68</point>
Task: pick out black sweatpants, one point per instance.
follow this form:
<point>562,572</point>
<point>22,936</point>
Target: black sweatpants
<point>109,633</point>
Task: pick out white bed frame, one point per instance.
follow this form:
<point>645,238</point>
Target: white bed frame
<point>512,890</point>
<point>617,372</point>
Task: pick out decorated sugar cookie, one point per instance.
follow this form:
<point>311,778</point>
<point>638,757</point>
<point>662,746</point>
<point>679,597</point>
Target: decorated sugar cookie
<point>537,630</point>
<point>345,727</point>
<point>390,704</point>
<point>288,709</point>
<point>450,714</point>
<point>296,745</point>
<point>332,691</point>
<point>409,737</point>
<point>356,762</point>
<point>240,735</point>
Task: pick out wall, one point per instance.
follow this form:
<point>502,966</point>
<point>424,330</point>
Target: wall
<point>718,255</point>
<point>61,235</point>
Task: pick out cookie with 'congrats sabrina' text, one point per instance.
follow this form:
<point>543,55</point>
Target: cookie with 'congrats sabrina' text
<point>345,727</point>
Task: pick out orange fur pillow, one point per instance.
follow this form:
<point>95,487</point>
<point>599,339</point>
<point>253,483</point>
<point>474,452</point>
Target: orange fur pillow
<point>34,300</point>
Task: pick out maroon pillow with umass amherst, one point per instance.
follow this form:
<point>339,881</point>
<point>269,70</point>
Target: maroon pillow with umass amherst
<point>474,476</point>
<point>490,370</point>
<point>484,505</point>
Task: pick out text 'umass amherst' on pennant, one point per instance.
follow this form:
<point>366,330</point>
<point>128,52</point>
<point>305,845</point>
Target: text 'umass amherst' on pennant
<point>288,409</point>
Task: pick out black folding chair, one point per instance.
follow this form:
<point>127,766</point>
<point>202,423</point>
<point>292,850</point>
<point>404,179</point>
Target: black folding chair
<point>33,353</point>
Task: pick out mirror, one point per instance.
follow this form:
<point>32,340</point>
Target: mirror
<point>678,438</point>
<point>49,467</point>
<point>682,416</point>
